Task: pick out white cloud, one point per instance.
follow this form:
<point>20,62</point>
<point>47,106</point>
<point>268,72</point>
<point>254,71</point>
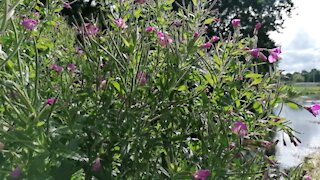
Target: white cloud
<point>300,39</point>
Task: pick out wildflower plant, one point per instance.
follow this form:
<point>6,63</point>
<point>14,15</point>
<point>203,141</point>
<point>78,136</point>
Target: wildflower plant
<point>147,97</point>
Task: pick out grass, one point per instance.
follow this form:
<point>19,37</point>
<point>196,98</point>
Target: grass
<point>306,89</point>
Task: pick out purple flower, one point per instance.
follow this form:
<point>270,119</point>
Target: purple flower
<point>96,165</point>
<point>240,128</point>
<point>235,23</point>
<point>257,26</point>
<point>201,174</point>
<point>206,45</point>
<point>67,5</point>
<point>214,39</point>
<point>254,52</point>
<point>196,35</point>
<point>88,29</point>
<point>142,78</point>
<point>29,24</point>
<point>50,101</point>
<point>164,39</point>
<point>121,23</point>
<point>150,29</point>
<point>274,54</point>
<point>72,67</point>
<point>313,109</point>
<point>56,68</point>
<point>16,173</point>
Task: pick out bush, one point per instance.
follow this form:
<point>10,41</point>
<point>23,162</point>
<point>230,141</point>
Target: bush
<point>149,97</point>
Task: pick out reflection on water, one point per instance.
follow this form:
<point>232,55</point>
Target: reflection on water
<point>308,131</point>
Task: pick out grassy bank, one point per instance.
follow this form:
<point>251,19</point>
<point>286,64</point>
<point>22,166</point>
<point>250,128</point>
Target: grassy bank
<point>306,89</point>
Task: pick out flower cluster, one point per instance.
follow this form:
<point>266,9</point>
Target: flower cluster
<point>29,24</point>
<point>273,54</point>
<point>240,128</point>
<point>88,29</point>
<point>164,39</point>
<point>201,174</point>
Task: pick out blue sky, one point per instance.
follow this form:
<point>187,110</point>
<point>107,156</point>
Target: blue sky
<point>300,38</point>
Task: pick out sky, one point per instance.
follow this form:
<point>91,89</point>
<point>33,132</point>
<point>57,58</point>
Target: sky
<point>300,38</point>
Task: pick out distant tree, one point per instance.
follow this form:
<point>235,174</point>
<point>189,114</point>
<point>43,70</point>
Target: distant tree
<point>270,13</point>
<point>305,73</point>
<point>297,77</point>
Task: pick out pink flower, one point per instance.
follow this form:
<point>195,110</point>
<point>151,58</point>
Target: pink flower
<point>206,45</point>
<point>121,23</point>
<point>16,173</point>
<point>196,35</point>
<point>274,55</point>
<point>50,101</point>
<point>201,174</point>
<point>164,39</point>
<point>72,67</point>
<point>214,39</point>
<point>240,128</point>
<point>313,109</point>
<point>88,29</point>
<point>307,177</point>
<point>142,78</point>
<point>56,68</point>
<point>235,22</point>
<point>254,52</point>
<point>29,24</point>
<point>140,1</point>
<point>96,166</point>
<point>67,5</point>
<point>257,26</point>
<point>150,29</point>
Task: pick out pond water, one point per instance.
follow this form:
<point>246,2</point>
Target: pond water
<point>308,131</point>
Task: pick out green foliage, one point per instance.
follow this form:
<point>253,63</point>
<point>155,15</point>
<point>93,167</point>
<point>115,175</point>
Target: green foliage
<point>166,125</point>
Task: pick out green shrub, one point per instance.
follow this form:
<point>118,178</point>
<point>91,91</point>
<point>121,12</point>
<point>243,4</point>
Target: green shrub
<point>136,104</point>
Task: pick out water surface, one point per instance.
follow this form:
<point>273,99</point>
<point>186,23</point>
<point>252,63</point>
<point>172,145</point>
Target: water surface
<point>308,131</point>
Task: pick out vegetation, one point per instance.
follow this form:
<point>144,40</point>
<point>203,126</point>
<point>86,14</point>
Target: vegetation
<point>143,98</point>
<point>304,76</point>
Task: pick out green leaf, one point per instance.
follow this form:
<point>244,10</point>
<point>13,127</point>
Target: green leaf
<point>195,2</point>
<point>256,81</point>
<point>40,123</point>
<point>209,21</point>
<point>258,107</point>
<point>182,88</point>
<point>292,105</point>
<point>169,1</point>
<point>253,75</point>
<point>125,41</point>
<point>209,79</point>
<point>137,13</point>
<point>116,85</point>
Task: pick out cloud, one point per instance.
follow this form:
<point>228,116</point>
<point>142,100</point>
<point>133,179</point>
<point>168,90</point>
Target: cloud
<point>300,59</point>
<point>299,39</point>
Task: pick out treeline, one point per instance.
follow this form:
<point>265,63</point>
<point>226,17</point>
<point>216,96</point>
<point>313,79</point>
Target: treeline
<point>304,76</point>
